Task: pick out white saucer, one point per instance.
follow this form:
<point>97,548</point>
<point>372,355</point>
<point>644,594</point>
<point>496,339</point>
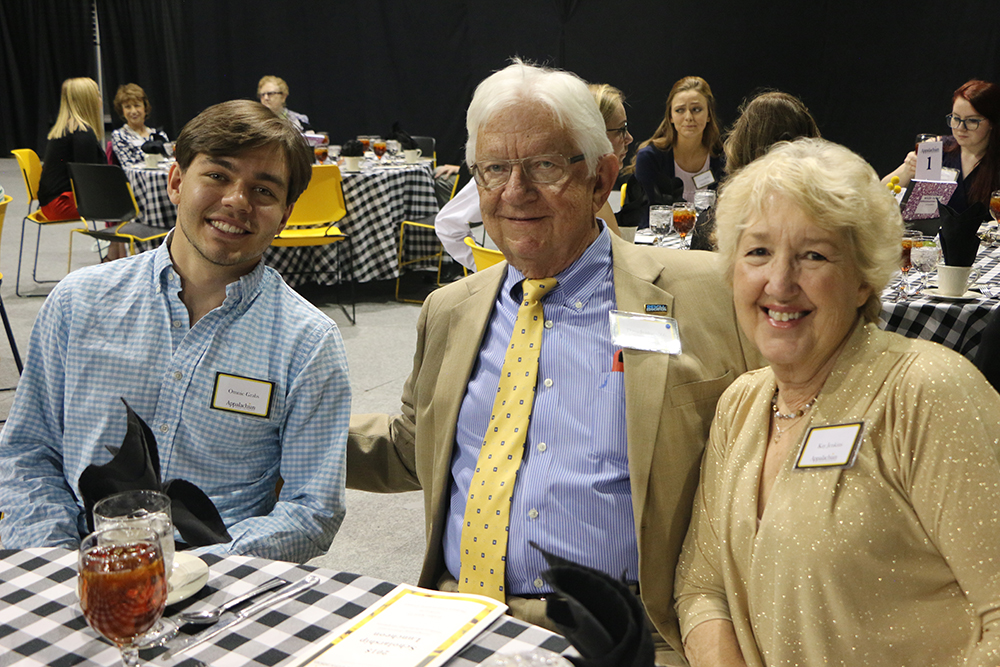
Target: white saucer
<point>189,575</point>
<point>935,294</point>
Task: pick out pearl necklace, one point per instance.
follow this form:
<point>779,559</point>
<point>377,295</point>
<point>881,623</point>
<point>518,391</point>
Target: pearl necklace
<point>778,431</point>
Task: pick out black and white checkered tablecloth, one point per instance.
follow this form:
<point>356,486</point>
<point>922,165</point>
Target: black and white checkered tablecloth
<point>41,623</point>
<point>150,188</point>
<point>377,202</point>
<point>955,324</point>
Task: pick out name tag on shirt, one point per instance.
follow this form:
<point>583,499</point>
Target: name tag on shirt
<point>833,446</point>
<point>645,332</point>
<point>243,395</point>
<point>704,179</point>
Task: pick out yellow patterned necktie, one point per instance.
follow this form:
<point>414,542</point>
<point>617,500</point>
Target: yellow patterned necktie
<point>487,511</point>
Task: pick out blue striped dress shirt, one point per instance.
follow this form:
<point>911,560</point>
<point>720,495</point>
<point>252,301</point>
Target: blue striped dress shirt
<point>572,495</point>
<point>121,330</point>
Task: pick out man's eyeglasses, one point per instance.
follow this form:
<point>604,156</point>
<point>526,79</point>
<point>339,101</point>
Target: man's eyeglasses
<point>621,131</point>
<point>271,93</point>
<point>971,124</point>
<point>539,169</point>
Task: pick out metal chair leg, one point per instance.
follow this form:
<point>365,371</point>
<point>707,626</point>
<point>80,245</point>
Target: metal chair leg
<point>10,339</point>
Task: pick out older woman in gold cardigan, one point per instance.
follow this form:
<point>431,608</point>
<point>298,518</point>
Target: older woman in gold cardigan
<point>849,506</point>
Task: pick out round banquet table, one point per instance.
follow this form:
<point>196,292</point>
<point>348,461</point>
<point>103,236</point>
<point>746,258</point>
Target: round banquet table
<point>41,622</point>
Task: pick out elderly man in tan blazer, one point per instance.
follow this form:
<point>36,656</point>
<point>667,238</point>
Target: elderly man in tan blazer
<point>609,461</point>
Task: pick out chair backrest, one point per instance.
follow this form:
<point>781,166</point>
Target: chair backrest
<point>426,146</point>
<point>31,170</point>
<point>483,257</point>
<point>102,192</point>
<point>3,210</point>
<point>323,201</point>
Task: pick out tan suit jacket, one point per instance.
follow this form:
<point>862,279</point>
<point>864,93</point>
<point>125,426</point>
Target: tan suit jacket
<point>669,401</point>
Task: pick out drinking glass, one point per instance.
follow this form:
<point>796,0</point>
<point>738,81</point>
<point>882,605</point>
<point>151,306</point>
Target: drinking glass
<point>995,205</point>
<point>905,262</point>
<point>684,217</point>
<point>704,200</point>
<point>142,509</point>
<point>924,255</point>
<point>122,585</point>
<point>322,153</point>
<point>393,148</point>
<point>660,218</point>
<point>922,138</point>
<point>379,148</point>
<point>365,141</point>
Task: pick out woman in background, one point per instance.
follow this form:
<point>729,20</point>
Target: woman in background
<point>686,146</point>
<point>973,150</point>
<point>76,137</point>
<point>272,91</point>
<point>133,106</point>
<point>611,102</point>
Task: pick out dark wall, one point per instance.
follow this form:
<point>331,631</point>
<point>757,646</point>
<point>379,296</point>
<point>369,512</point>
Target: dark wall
<point>873,77</point>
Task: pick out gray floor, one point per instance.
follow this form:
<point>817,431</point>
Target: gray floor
<point>382,535</point>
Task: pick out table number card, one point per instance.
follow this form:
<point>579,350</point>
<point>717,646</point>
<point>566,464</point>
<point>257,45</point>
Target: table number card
<point>409,627</point>
<point>929,161</point>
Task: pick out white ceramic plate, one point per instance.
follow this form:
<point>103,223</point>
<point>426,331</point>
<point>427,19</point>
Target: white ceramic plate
<point>935,294</point>
<point>189,575</point>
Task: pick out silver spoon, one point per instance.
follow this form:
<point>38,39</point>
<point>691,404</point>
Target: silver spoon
<point>207,616</point>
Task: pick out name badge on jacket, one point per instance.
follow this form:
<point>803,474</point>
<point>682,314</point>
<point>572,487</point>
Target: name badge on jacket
<point>833,446</point>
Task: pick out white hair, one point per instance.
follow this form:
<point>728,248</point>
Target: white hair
<point>565,94</point>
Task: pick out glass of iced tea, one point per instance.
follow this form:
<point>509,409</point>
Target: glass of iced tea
<point>321,152</point>
<point>122,586</point>
<point>995,205</point>
<point>684,217</point>
<point>378,147</point>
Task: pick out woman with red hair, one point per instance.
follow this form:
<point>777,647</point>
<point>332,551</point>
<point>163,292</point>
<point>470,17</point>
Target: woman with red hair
<point>973,150</point>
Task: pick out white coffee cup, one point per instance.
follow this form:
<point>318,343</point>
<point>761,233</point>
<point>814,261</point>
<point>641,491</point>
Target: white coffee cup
<point>352,163</point>
<point>412,155</point>
<point>152,160</point>
<point>954,280</point>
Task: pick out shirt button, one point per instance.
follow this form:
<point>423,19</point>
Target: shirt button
<point>178,375</point>
<point>538,583</point>
<point>542,446</point>
<point>177,324</point>
<point>548,324</point>
<point>578,304</point>
<point>164,428</point>
<point>170,275</point>
<point>548,382</point>
<point>532,513</point>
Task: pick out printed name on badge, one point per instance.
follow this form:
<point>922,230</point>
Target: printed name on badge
<point>704,179</point>
<point>833,446</point>
<point>242,395</point>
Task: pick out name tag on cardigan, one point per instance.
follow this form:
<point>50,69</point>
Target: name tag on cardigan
<point>704,179</point>
<point>243,395</point>
<point>833,446</point>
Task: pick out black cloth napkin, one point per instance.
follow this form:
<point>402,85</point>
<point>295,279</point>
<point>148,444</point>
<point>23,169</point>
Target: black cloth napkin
<point>600,616</point>
<point>136,467</point>
<point>406,142</point>
<point>155,144</point>
<point>959,233</point>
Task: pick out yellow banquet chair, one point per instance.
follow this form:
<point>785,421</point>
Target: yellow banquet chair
<point>313,221</point>
<point>439,255</point>
<point>31,170</point>
<point>484,257</point>
<point>3,311</point>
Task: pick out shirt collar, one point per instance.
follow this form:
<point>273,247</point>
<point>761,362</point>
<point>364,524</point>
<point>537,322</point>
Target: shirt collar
<point>579,280</point>
<point>238,292</point>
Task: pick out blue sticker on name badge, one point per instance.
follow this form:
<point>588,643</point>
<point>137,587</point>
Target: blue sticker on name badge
<point>653,333</point>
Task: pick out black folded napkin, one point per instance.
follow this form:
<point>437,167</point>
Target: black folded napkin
<point>600,616</point>
<point>406,142</point>
<point>959,239</point>
<point>703,236</point>
<point>155,144</point>
<point>136,467</point>
<point>635,208</point>
<point>667,189</point>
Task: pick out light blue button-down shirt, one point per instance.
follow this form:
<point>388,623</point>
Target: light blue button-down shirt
<point>572,495</point>
<point>121,330</point>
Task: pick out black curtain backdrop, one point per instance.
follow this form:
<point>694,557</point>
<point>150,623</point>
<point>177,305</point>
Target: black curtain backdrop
<point>873,75</point>
<point>36,55</point>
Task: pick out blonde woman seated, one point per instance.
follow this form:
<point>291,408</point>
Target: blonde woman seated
<point>808,545</point>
